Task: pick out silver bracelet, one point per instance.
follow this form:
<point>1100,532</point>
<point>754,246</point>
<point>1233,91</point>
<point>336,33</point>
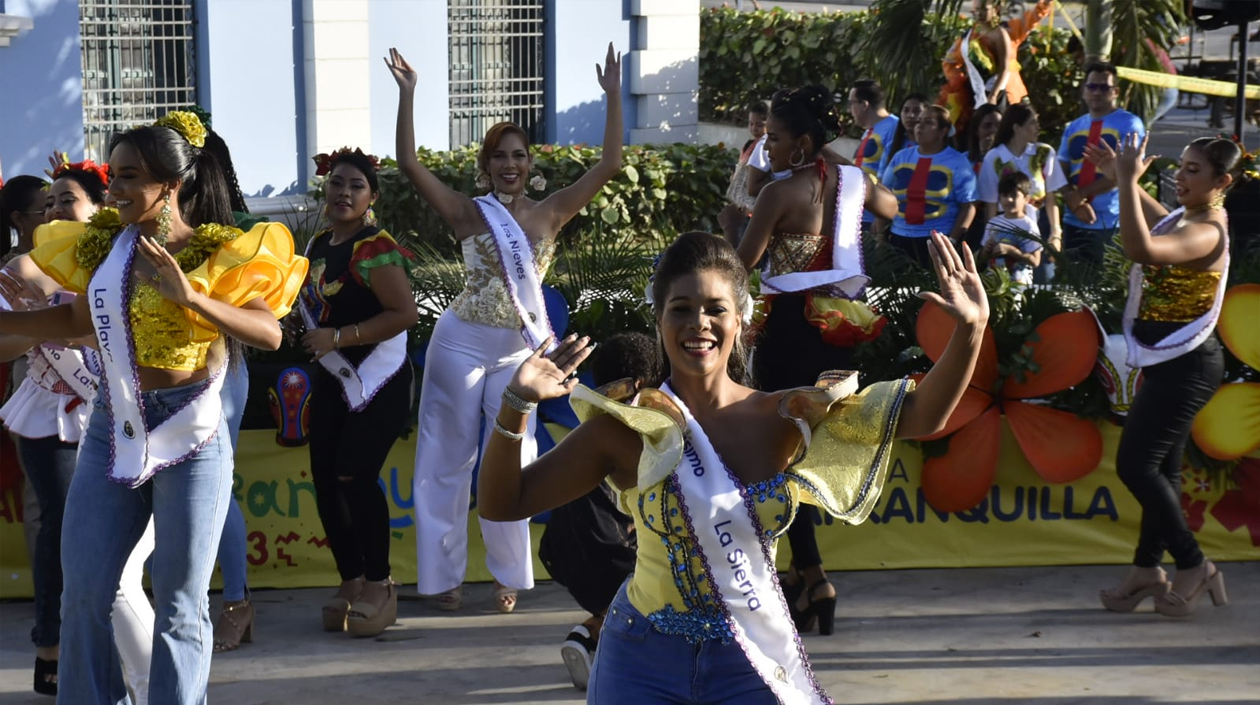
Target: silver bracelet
<point>515,402</point>
<point>498,428</point>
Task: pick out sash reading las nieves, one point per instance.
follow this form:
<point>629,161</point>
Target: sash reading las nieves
<point>136,452</point>
<point>1185,338</point>
<point>520,275</point>
<point>846,276</point>
<point>359,384</point>
<point>742,576</point>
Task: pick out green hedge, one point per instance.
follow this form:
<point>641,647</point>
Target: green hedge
<point>663,189</point>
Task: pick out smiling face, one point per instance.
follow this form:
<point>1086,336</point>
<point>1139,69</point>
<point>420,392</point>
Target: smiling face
<point>69,202</point>
<point>1197,183</point>
<point>509,164</point>
<point>347,193</point>
<point>699,324</point>
<point>136,194</point>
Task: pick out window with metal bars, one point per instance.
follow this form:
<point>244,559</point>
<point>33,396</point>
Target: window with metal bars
<point>139,63</point>
<point>496,66</point>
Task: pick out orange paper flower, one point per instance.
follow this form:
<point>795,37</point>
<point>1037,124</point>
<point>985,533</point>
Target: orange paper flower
<point>1060,446</point>
<point>1229,426</point>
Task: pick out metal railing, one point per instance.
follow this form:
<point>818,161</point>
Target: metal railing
<point>139,62</point>
<point>496,66</point>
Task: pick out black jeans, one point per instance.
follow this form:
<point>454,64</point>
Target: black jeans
<point>1154,440</point>
<point>347,452</point>
<point>49,464</point>
<point>1086,247</point>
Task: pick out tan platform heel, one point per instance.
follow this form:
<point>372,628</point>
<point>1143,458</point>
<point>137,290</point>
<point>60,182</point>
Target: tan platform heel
<point>336,609</point>
<point>368,619</point>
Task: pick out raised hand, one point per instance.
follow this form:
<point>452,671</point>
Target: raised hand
<point>403,73</point>
<point>610,76</point>
<point>19,294</point>
<point>548,376</point>
<point>962,293</point>
<point>1103,157</point>
<point>1132,161</point>
<point>166,277</point>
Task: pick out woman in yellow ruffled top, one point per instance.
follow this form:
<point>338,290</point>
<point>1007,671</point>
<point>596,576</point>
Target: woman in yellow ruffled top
<point>1176,288</point>
<point>160,282</point>
<point>713,472</point>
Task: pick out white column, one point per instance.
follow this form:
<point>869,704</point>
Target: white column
<point>664,70</point>
<point>338,59</point>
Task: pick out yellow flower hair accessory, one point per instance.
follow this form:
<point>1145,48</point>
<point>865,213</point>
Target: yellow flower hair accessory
<point>187,124</point>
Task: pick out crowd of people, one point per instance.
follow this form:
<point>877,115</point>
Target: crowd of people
<point>132,289</point>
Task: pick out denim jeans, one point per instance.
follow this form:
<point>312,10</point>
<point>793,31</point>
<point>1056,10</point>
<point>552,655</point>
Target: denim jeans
<point>188,503</point>
<point>232,545</point>
<point>636,664</point>
<point>49,465</point>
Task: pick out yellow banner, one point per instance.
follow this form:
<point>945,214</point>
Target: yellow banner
<point>1024,521</point>
<point>1188,84</point>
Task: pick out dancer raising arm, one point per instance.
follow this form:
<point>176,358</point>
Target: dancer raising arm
<point>1176,286</point>
<point>703,609</point>
<point>168,280</point>
<point>489,329</point>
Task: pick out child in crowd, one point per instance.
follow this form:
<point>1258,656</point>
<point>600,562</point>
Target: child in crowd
<point>589,544</point>
<point>1012,239</point>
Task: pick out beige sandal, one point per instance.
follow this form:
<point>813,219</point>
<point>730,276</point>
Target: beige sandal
<point>335,610</point>
<point>451,600</point>
<point>504,598</point>
<point>368,619</point>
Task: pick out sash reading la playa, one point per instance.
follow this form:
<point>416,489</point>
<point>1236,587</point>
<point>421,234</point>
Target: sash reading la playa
<point>136,452</point>
<point>847,275</point>
<point>520,275</point>
<point>1185,338</point>
<point>359,384</point>
<point>736,553</point>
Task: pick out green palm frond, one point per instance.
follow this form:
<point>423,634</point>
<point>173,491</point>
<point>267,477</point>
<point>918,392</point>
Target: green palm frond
<point>1133,22</point>
<point>905,37</point>
<point>603,279</point>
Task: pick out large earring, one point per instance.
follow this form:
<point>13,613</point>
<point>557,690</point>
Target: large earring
<point>1217,201</point>
<point>164,220</point>
<point>538,182</point>
<point>369,218</point>
<point>483,181</point>
<point>794,162</point>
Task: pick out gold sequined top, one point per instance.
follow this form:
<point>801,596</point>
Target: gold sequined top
<point>260,263</point>
<point>840,467</point>
<point>1176,294</point>
<point>485,298</point>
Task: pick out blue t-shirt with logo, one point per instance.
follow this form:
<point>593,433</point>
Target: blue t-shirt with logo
<point>873,150</point>
<point>1113,129</point>
<point>946,183</point>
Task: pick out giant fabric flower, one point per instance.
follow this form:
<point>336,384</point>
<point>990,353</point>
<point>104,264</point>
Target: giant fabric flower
<point>1229,426</point>
<point>1060,446</point>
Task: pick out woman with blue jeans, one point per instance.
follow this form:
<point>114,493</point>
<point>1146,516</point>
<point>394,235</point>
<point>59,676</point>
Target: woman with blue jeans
<point>167,284</point>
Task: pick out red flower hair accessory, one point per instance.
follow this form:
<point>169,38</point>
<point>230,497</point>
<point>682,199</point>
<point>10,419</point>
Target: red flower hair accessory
<point>325,162</point>
<point>100,171</point>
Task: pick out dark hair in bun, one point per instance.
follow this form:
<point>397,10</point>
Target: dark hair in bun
<point>1222,155</point>
<point>809,110</point>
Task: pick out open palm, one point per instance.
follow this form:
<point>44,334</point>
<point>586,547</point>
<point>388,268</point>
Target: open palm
<point>550,375</point>
<point>403,73</point>
<point>610,75</point>
<point>962,293</point>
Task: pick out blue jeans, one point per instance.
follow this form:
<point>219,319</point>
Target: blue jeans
<point>636,664</point>
<point>188,503</point>
<point>49,464</point>
<point>232,545</point>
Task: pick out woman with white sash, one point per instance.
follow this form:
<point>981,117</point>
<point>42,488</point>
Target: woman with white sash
<point>159,282</point>
<point>810,227</point>
<point>1176,286</point>
<point>713,472</point>
<point>508,242</point>
<point>357,305</point>
<point>46,417</point>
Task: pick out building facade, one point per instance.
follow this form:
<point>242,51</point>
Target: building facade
<point>286,79</point>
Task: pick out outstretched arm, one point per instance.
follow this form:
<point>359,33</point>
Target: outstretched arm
<point>962,296</point>
<point>457,209</point>
<point>565,203</point>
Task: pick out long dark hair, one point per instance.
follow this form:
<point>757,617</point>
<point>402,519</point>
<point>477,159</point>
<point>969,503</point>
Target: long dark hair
<point>899,137</point>
<point>808,110</point>
<point>694,252</point>
<point>1015,115</point>
<point>17,195</point>
<point>89,182</point>
<point>204,196</point>
<point>973,131</point>
<point>215,144</point>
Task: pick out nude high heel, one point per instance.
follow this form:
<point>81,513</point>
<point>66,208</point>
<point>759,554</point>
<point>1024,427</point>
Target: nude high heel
<point>1117,600</point>
<point>368,619</point>
<point>336,609</point>
<point>1176,605</point>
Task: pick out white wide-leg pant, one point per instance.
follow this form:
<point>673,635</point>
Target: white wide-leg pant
<point>466,368</point>
<point>133,620</point>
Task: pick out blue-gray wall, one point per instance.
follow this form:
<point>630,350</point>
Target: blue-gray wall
<point>578,33</point>
<point>41,89</point>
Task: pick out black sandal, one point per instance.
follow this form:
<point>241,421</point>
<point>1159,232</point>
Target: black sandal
<point>45,676</point>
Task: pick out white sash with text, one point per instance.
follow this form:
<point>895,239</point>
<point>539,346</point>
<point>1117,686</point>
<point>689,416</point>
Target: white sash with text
<point>847,275</point>
<point>520,275</point>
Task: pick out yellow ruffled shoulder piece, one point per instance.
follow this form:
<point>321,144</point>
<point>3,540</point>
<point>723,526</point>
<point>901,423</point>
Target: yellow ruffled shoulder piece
<point>56,253</point>
<point>260,263</point>
<point>651,414</point>
<point>846,443</point>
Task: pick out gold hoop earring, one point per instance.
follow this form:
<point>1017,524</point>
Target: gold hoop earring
<point>794,162</point>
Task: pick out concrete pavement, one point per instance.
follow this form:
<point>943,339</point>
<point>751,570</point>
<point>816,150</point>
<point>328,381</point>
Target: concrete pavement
<point>977,636</point>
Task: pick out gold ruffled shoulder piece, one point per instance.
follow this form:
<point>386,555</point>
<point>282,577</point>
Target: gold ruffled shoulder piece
<point>260,263</point>
<point>651,414</point>
<point>56,253</point>
<point>846,441</point>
